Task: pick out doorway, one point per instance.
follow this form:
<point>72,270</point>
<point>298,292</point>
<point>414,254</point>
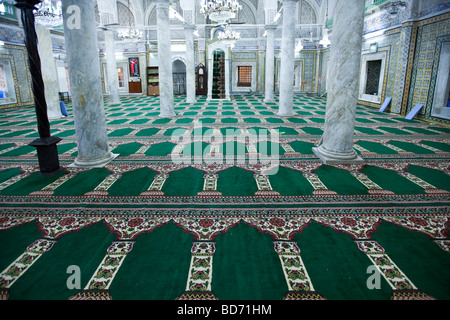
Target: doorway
<point>179,77</point>
<point>218,88</point>
<point>122,72</point>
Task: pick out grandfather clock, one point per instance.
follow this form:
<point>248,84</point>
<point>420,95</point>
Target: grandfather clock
<point>201,80</point>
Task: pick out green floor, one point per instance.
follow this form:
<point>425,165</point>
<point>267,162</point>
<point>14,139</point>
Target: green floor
<point>220,197</point>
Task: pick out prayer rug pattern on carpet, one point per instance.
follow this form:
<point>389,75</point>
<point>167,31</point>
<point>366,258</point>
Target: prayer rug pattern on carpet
<point>148,227</point>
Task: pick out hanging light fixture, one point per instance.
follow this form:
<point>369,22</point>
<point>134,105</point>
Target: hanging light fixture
<point>278,15</point>
<point>299,46</point>
<point>395,7</point>
<point>325,40</point>
<point>220,10</point>
<point>229,36</point>
<point>130,34</point>
<point>49,13</point>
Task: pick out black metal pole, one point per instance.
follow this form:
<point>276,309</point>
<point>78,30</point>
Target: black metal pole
<point>45,144</point>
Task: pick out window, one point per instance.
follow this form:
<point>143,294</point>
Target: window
<point>121,77</point>
<point>244,76</point>
<point>373,77</point>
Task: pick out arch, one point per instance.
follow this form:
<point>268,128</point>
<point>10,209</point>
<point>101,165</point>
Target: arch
<point>218,45</point>
<point>125,15</point>
<point>310,6</point>
<point>249,10</point>
<point>179,74</point>
<point>136,9</point>
<point>179,65</point>
<point>150,14</point>
<point>180,58</point>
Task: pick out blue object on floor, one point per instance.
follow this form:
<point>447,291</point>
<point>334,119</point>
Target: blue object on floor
<point>414,112</point>
<point>386,104</point>
<point>63,109</point>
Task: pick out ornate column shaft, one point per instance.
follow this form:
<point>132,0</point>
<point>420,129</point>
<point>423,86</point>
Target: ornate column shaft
<point>336,144</point>
<point>402,287</point>
<point>198,286</point>
<point>16,269</point>
<point>45,144</point>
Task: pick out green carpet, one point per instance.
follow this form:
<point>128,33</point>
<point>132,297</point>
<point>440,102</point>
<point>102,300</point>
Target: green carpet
<point>164,222</point>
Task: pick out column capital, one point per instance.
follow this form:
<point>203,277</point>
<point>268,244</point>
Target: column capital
<point>189,26</point>
<point>270,26</point>
<point>289,1</point>
<point>26,4</point>
<point>162,2</point>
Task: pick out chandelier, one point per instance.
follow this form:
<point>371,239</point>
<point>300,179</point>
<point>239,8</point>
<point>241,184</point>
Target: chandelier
<point>325,40</point>
<point>229,36</point>
<point>220,10</point>
<point>49,13</point>
<point>395,6</point>
<point>130,34</point>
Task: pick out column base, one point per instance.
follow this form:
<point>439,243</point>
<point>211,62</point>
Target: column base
<point>168,115</point>
<point>113,102</point>
<point>410,295</point>
<point>92,295</point>
<point>268,100</point>
<point>209,194</point>
<point>154,193</point>
<point>99,163</point>
<point>289,114</point>
<point>267,193</point>
<point>4,294</point>
<point>96,194</point>
<point>194,295</point>
<point>55,117</point>
<point>324,192</point>
<point>330,157</point>
<point>306,295</point>
<point>47,153</point>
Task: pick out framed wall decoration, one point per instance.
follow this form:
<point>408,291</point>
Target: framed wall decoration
<point>373,48</point>
<point>134,67</point>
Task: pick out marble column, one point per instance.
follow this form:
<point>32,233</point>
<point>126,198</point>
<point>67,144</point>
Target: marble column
<point>227,74</point>
<point>190,63</point>
<point>85,82</point>
<point>164,60</point>
<point>49,73</point>
<point>111,68</point>
<point>270,63</point>
<point>210,66</point>
<point>287,59</point>
<point>336,144</point>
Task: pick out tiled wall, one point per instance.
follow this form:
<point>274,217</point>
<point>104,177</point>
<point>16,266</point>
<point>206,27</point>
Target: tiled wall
<point>430,35</point>
<point>413,56</point>
<point>21,75</point>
